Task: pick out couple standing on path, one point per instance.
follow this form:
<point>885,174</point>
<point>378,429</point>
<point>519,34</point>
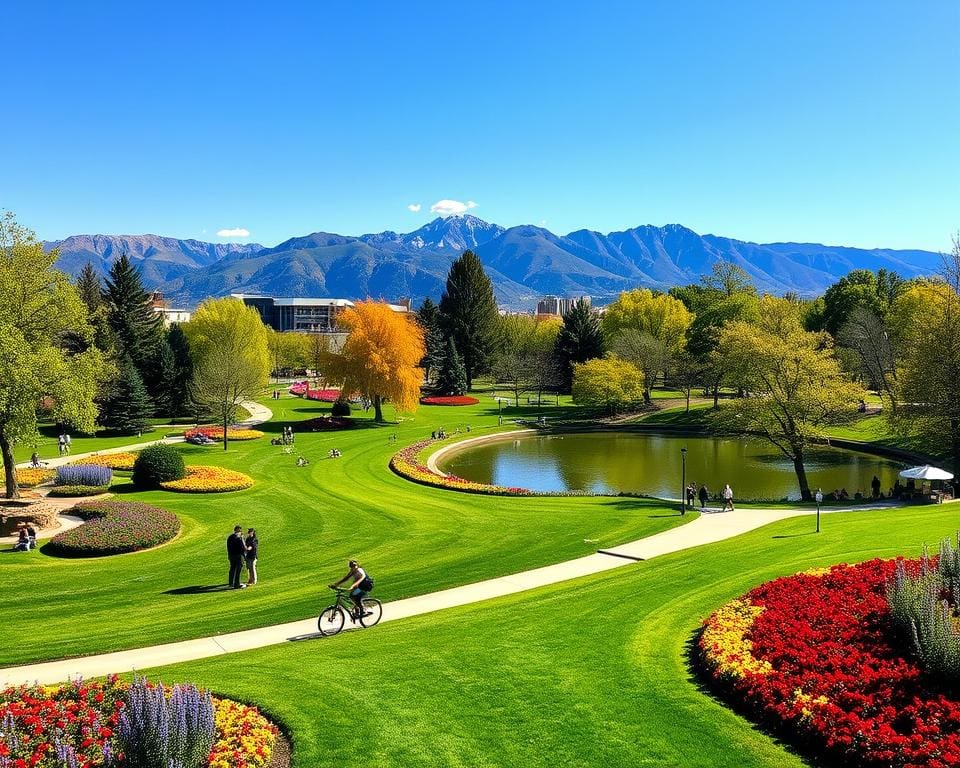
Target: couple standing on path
<point>64,443</point>
<point>242,551</point>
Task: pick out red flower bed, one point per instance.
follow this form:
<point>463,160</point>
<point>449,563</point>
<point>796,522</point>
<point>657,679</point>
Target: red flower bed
<point>816,654</point>
<point>323,395</point>
<point>329,424</point>
<point>449,400</point>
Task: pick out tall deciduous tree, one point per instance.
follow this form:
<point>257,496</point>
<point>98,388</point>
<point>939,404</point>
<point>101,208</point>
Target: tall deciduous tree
<point>286,350</point>
<point>231,362</point>
<point>795,383</point>
<point>431,321</point>
<point>647,329</point>
<point>860,289</point>
<point>470,313</point>
<point>381,356</point>
<point>38,306</point>
<point>136,328</point>
<point>580,339</point>
<point>608,381</point>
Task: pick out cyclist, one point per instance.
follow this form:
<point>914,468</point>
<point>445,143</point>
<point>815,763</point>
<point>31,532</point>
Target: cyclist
<point>360,585</point>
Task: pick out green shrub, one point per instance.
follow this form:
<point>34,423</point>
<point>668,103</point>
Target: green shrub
<point>157,464</point>
<point>78,490</point>
<point>340,408</point>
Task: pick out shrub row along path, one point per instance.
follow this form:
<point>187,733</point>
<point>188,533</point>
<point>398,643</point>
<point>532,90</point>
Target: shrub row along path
<point>713,526</point>
<point>258,415</point>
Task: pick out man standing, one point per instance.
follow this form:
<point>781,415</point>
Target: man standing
<point>236,549</point>
<point>727,497</point>
<point>704,496</point>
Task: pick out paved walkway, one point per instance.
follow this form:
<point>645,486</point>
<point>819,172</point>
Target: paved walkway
<point>711,527</point>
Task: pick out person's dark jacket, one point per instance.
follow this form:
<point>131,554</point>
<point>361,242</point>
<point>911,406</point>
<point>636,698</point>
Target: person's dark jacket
<point>235,546</point>
<point>253,545</point>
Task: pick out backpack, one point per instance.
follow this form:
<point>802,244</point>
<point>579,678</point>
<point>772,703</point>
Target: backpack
<point>367,584</point>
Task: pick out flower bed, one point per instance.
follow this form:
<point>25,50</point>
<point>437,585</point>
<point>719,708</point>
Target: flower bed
<point>216,433</point>
<point>329,424</point>
<point>816,656</point>
<point>407,463</point>
<point>84,474</point>
<point>122,462</point>
<point>69,491</point>
<point>114,527</point>
<point>28,478</point>
<point>76,724</point>
<point>449,400</point>
<point>204,479</point>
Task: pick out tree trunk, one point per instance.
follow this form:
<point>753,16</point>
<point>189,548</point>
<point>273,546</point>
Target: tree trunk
<point>716,396</point>
<point>9,467</point>
<point>688,399</point>
<point>377,408</point>
<point>801,474</point>
<point>226,413</point>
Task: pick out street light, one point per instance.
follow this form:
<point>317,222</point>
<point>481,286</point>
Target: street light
<point>819,498</point>
<point>683,490</point>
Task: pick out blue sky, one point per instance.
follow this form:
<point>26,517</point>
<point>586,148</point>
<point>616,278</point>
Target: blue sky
<point>835,122</point>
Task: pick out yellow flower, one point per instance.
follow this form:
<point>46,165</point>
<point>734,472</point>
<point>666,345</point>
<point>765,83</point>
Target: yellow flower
<point>724,642</point>
<point>204,479</point>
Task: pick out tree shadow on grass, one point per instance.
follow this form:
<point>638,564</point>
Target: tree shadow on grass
<point>198,589</point>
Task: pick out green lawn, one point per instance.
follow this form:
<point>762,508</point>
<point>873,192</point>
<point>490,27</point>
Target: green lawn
<point>588,673</point>
<point>310,520</point>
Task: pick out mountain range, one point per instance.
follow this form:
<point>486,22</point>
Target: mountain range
<point>524,262</point>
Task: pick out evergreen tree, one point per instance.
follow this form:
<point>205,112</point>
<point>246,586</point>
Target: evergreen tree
<point>429,318</point>
<point>580,339</point>
<point>127,407</point>
<point>136,328</point>
<point>470,313</point>
<point>180,400</point>
<point>90,288</point>
<point>165,375</point>
<point>453,376</point>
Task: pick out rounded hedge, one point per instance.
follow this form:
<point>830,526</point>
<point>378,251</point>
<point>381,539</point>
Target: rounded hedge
<point>340,408</point>
<point>114,527</point>
<point>158,464</point>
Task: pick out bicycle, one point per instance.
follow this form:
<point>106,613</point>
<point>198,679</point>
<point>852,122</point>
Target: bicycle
<point>334,617</point>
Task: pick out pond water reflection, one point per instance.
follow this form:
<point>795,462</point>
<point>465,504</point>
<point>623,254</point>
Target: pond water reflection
<point>614,462</point>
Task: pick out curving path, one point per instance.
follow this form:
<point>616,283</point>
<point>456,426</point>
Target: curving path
<point>710,527</point>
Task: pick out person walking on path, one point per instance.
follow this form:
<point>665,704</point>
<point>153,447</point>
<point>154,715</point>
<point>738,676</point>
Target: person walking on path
<point>68,444</point>
<point>61,444</point>
<point>691,495</point>
<point>253,545</point>
<point>704,495</point>
<point>727,497</point>
<point>236,550</point>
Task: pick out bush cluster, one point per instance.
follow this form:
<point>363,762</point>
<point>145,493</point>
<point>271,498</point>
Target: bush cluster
<point>91,475</point>
<point>340,408</point>
<point>114,527</point>
<point>158,464</point>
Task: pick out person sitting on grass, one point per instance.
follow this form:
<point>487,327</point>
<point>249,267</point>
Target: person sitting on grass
<point>23,540</point>
<point>301,461</point>
<point>359,588</point>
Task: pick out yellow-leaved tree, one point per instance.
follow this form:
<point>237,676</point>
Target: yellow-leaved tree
<point>231,360</point>
<point>607,381</point>
<point>381,356</point>
<point>648,329</point>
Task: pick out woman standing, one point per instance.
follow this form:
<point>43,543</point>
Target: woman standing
<point>252,545</point>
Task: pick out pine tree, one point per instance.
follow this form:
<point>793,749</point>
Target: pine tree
<point>127,407</point>
<point>165,375</point>
<point>136,328</point>
<point>453,376</point>
<point>90,288</point>
<point>470,313</point>
<point>429,318</point>
<point>180,400</point>
<point>580,339</point>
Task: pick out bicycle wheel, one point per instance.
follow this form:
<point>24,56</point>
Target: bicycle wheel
<point>331,620</point>
<point>372,611</point>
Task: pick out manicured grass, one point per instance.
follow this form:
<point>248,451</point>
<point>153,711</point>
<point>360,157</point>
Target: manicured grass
<point>592,672</point>
<point>310,521</point>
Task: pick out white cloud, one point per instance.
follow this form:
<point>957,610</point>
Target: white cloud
<point>238,232</point>
<point>451,207</point>
<point>414,207</point>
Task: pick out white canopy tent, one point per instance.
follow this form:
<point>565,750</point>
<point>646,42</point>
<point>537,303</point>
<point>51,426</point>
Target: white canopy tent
<point>926,472</point>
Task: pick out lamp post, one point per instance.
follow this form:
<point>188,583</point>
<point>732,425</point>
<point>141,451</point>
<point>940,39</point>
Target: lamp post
<point>819,498</point>
<point>683,475</point>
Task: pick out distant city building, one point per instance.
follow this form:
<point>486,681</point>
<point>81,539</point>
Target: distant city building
<point>169,315</point>
<point>558,305</point>
<point>303,315</point>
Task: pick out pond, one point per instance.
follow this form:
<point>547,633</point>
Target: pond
<point>614,462</point>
